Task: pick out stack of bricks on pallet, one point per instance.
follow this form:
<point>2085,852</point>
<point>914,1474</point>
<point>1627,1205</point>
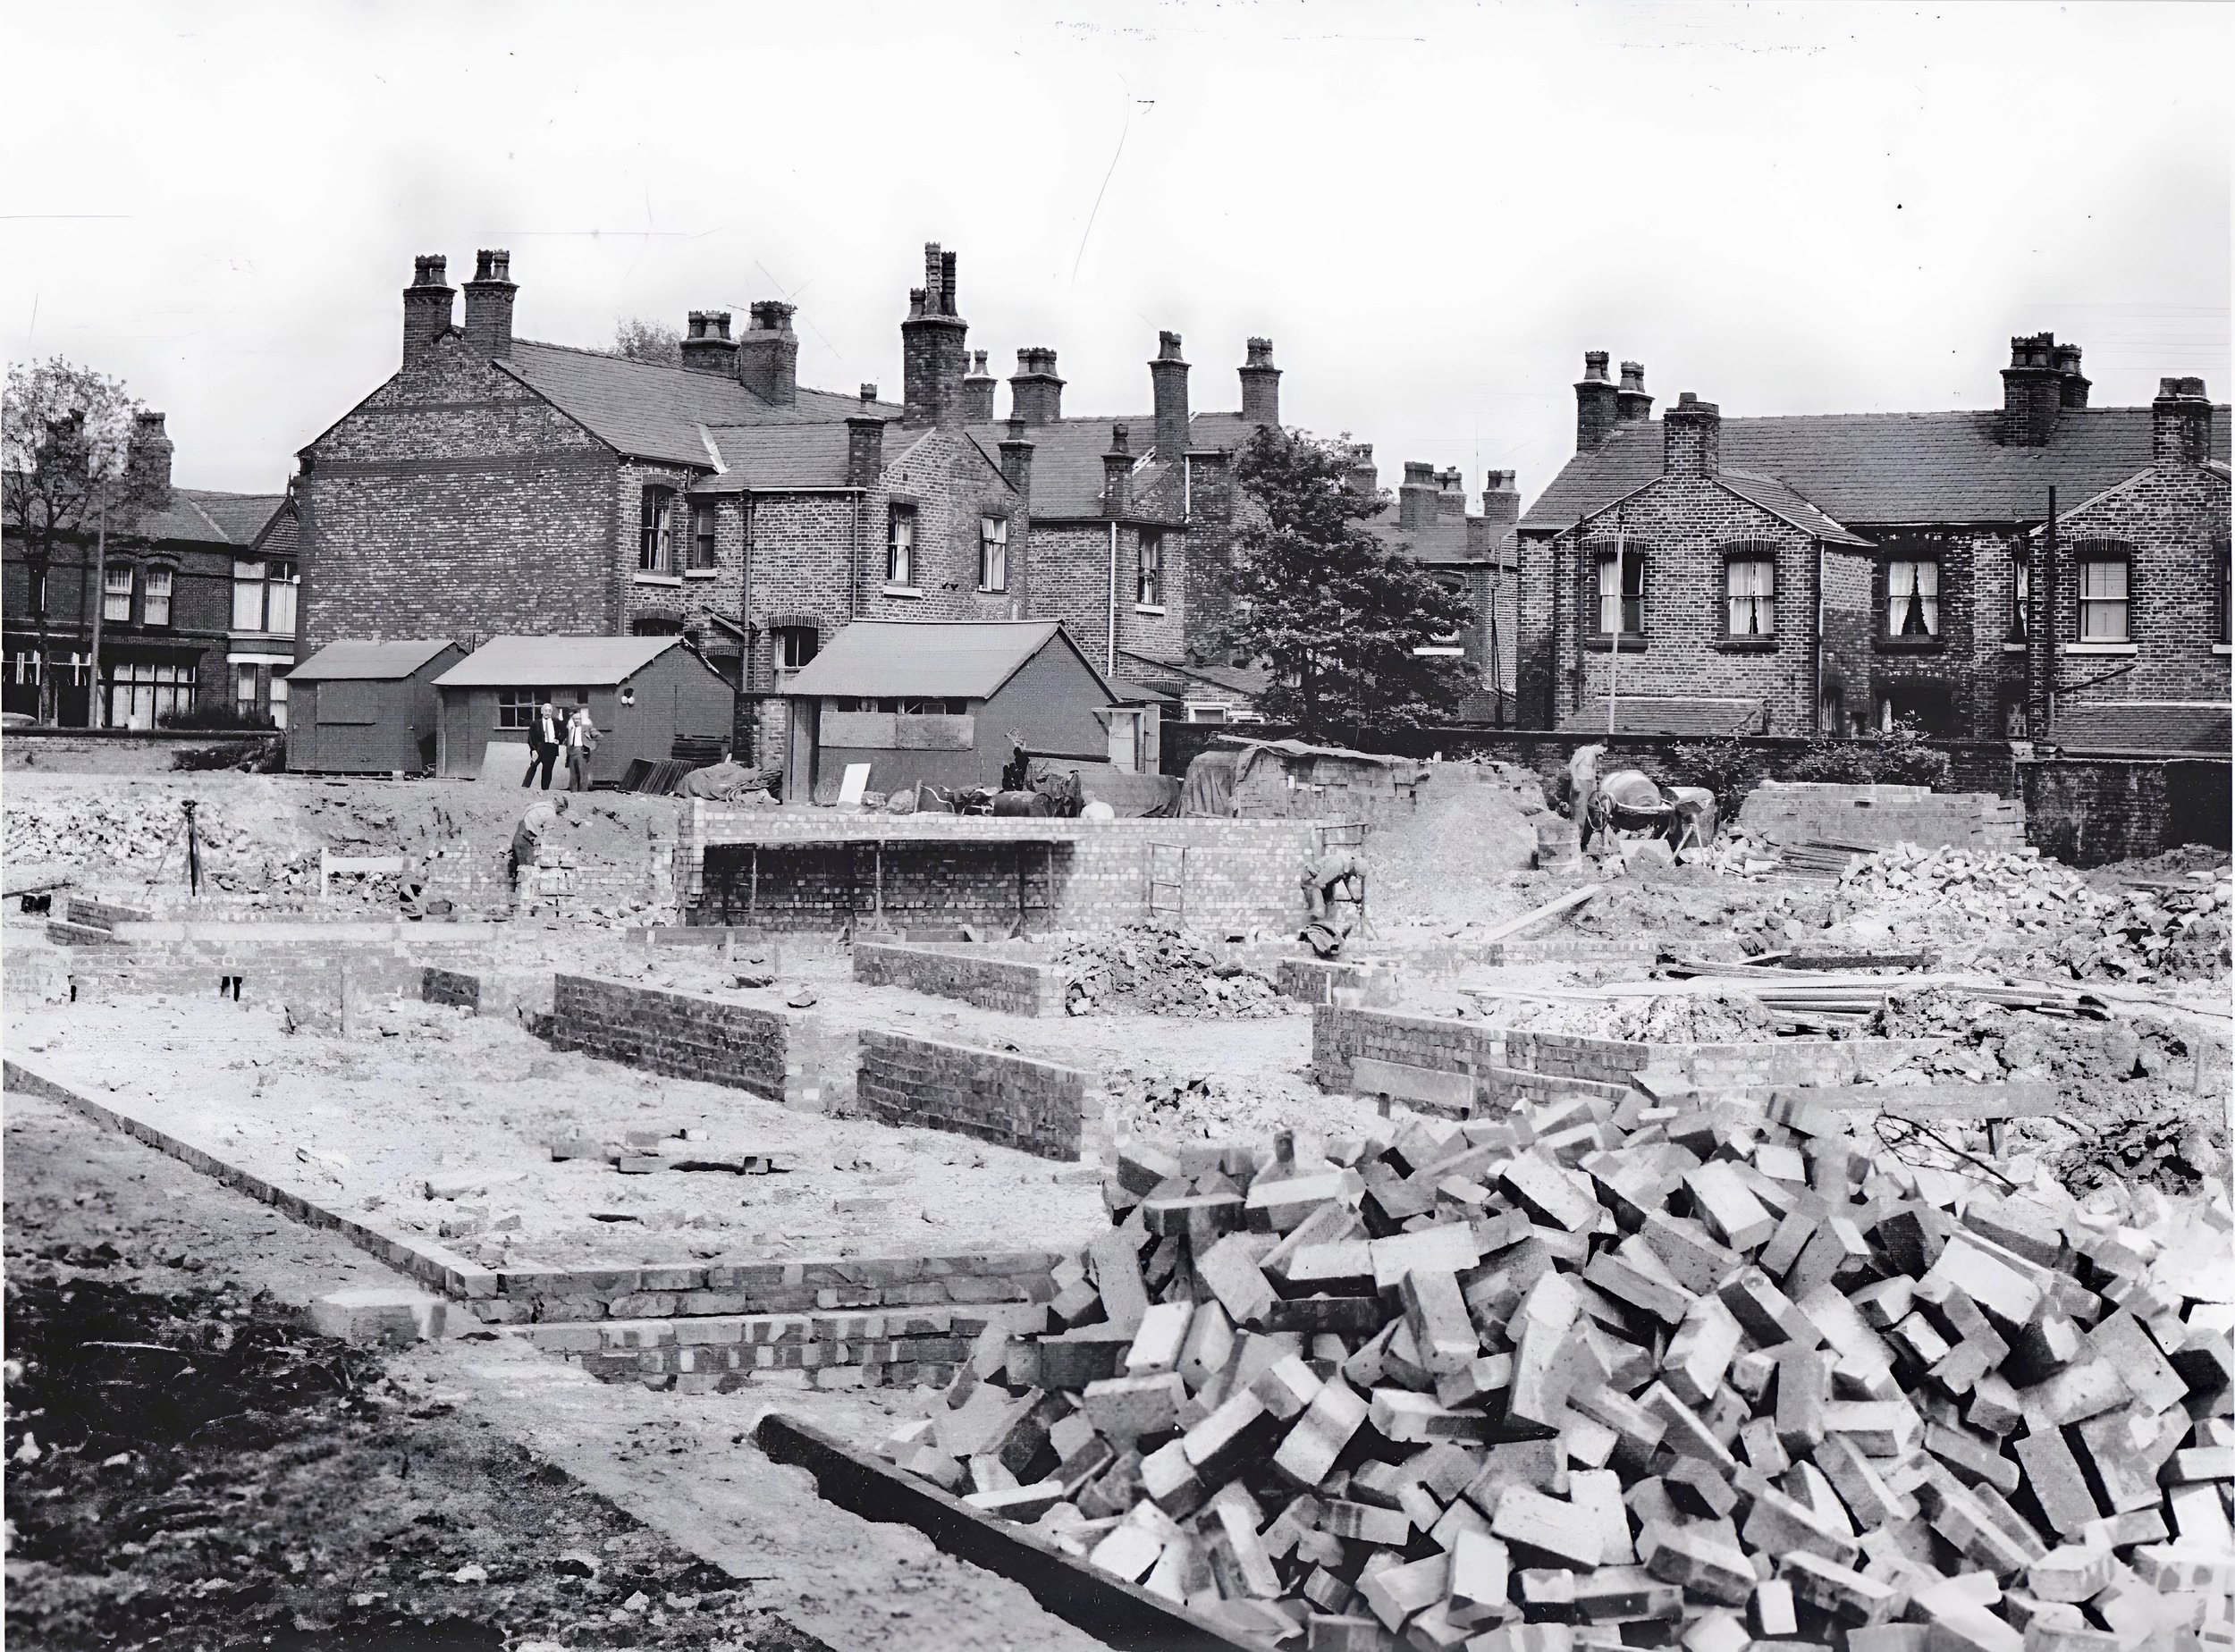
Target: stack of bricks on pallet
<point>1808,812</point>
<point>1658,1371</point>
<point>1035,1106</point>
<point>1314,981</point>
<point>776,1053</point>
<point>1241,874</point>
<point>972,974</point>
<point>1457,1065</point>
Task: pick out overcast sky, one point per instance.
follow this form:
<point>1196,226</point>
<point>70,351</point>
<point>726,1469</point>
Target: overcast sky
<point>1433,209</point>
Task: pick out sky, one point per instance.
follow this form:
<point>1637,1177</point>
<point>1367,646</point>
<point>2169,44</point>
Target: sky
<point>1433,208</point>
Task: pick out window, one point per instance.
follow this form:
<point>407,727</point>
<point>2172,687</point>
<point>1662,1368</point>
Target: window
<point>900,547</point>
<point>244,690</point>
<point>2103,598</point>
<point>992,554</point>
<point>1912,598</point>
<point>1750,583</point>
<point>1622,595</point>
<point>931,708</point>
<point>26,667</point>
<point>116,592</point>
<point>655,535</point>
<point>516,707</point>
<point>142,692</point>
<point>702,536</point>
<point>279,703</point>
<point>2021,597</point>
<point>154,598</point>
<point>1149,588</point>
<point>264,596</point>
<point>793,646</point>
<point>37,579</point>
<point>2014,717</point>
<point>1207,712</point>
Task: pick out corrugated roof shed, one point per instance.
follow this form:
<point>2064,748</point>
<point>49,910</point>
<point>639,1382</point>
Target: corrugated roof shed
<point>933,659</point>
<point>555,661</point>
<point>366,661</point>
<point>1884,470</point>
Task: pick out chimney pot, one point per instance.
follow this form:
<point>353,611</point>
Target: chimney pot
<point>977,392</point>
<point>868,392</point>
<point>2181,422</point>
<point>1167,385</point>
<point>1261,385</point>
<point>2033,390</point>
<point>934,361</point>
<point>427,307</point>
<point>1416,496</point>
<point>1360,475</point>
<point>1631,401</point>
<point>1596,402</point>
<point>768,355</point>
<point>707,346</point>
<point>1035,394</point>
<point>1117,473</point>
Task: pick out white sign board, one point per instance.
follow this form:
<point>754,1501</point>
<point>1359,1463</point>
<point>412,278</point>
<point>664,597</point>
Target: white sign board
<point>853,785</point>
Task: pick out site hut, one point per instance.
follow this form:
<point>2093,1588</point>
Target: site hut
<point>938,701</point>
<point>652,698</point>
<point>366,707</point>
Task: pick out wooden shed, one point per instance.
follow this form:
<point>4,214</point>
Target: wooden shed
<point>938,701</point>
<point>653,697</point>
<point>366,708</point>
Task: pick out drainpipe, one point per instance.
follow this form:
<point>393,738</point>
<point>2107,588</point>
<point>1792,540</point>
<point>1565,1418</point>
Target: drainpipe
<point>1819,639</point>
<point>1112,651</point>
<point>854,563</point>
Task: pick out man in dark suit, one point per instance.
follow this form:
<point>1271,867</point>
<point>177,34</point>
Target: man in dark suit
<point>544,738</point>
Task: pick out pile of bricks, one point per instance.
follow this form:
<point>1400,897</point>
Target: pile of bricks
<point>1651,1372</point>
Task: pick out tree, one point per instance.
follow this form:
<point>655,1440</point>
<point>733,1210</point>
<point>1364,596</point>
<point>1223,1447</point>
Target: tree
<point>648,342</point>
<point>64,432</point>
<point>1337,616</point>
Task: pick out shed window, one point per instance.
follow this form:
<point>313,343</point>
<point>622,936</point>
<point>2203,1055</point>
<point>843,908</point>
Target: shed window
<point>155,597</point>
<point>655,537</point>
<point>1621,592</point>
<point>2103,597</point>
<point>117,593</point>
<point>1750,585</point>
<point>516,707</point>
<point>900,547</point>
<point>1149,589</point>
<point>1912,597</point>
<point>992,554</point>
<point>702,536</point>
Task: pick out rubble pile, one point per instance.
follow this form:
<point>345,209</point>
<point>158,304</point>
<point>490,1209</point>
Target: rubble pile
<point>1737,853</point>
<point>1601,1374</point>
<point>115,830</point>
<point>1167,1105</point>
<point>1156,970</point>
<point>1689,1018</point>
<point>2176,930</point>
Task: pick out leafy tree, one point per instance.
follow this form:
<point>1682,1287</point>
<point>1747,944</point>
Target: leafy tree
<point>648,342</point>
<point>63,434</point>
<point>1335,614</point>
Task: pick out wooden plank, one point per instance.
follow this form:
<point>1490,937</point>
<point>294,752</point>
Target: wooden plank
<point>1550,909</point>
<point>1119,1613</point>
<point>1431,1086</point>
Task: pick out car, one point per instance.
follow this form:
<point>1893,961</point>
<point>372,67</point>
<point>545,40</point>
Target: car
<point>18,720</point>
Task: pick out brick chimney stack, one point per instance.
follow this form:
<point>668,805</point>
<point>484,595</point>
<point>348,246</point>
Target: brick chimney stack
<point>1501,503</point>
<point>2071,384</point>
<point>1631,401</point>
<point>933,361</point>
<point>1017,458</point>
<point>426,306</point>
<point>1360,475</point>
<point>1451,495</point>
<point>707,346</point>
<point>864,446</point>
<point>1035,394</point>
<point>2181,422</point>
<point>147,459</point>
<point>1261,385</point>
<point>1595,402</point>
<point>977,392</point>
<point>1167,385</point>
<point>1692,439</point>
<point>2033,391</point>
<point>1416,496</point>
<point>1117,473</point>
<point>489,304</point>
<point>768,355</point>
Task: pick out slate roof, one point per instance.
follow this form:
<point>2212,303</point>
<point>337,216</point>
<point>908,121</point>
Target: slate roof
<point>773,457</point>
<point>655,412</point>
<point>1884,470</point>
<point>1068,464</point>
<point>196,515</point>
<point>1780,501</point>
<point>1249,680</point>
<point>933,659</point>
<point>383,662</point>
<point>2146,726</point>
<point>1218,430</point>
<point>555,661</point>
<point>1440,541</point>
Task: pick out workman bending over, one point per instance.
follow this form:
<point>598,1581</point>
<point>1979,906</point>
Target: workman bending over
<point>542,817</point>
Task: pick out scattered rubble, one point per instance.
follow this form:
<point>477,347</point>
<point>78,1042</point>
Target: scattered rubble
<point>1619,1374</point>
<point>1154,969</point>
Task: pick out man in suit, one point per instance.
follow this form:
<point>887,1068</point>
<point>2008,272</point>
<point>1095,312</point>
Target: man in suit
<point>544,738</point>
<point>581,741</point>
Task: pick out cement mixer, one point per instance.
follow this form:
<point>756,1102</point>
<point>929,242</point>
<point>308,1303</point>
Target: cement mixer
<point>1630,800</point>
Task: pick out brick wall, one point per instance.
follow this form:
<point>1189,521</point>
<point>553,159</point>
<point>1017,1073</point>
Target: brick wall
<point>1882,815</point>
<point>894,1348</point>
<point>776,1053</point>
<point>2092,810</point>
<point>1241,874</point>
<point>1016,986</point>
<point>1035,1106</point>
<point>523,995</point>
<point>1314,981</point>
<point>1339,1036</point>
<point>310,977</point>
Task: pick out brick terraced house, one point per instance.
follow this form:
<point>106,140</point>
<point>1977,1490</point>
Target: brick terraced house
<point>196,601</point>
<point>1834,573</point>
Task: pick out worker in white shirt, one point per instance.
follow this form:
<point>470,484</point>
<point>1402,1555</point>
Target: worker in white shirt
<point>582,737</point>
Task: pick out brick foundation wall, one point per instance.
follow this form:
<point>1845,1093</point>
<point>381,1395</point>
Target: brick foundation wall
<point>310,977</point>
<point>2092,810</point>
<point>1018,986</point>
<point>1035,1106</point>
<point>525,995</point>
<point>1882,815</point>
<point>776,1053</point>
<point>1314,981</point>
<point>1241,874</point>
<point>1340,1036</point>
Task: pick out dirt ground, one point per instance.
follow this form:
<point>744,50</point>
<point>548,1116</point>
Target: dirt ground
<point>279,1489</point>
